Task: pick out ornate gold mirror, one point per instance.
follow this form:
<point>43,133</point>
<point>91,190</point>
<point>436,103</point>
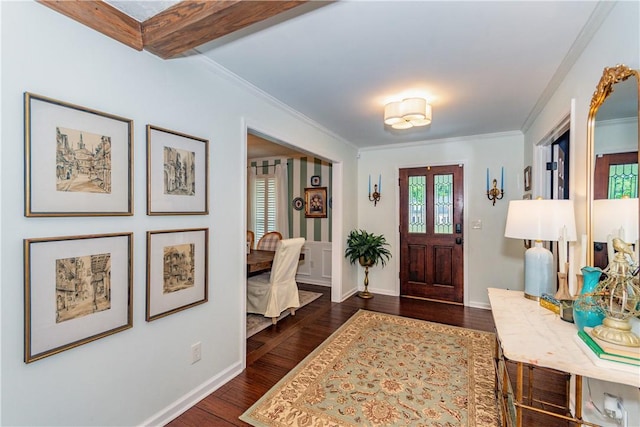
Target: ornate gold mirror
<point>612,169</point>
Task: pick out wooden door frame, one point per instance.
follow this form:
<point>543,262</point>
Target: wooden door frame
<point>465,228</point>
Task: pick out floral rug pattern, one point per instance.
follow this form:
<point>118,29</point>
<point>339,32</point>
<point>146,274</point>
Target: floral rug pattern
<point>385,370</point>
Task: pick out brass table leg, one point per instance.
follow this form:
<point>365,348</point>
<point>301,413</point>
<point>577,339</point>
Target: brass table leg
<point>578,399</point>
<point>519,375</point>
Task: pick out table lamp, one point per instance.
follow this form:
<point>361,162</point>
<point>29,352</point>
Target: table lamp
<point>541,220</point>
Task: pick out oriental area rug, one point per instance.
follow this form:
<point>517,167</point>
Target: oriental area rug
<point>384,370</point>
<point>257,322</point>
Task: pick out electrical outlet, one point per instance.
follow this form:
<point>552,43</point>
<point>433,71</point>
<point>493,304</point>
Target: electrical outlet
<point>196,352</point>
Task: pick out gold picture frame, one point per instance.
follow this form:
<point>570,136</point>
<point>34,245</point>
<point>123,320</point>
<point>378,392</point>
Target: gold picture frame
<point>177,173</point>
<point>78,161</point>
<point>177,271</point>
<point>77,289</point>
<point>315,205</point>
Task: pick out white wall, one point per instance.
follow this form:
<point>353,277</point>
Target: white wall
<point>616,42</point>
<point>490,259</point>
<point>139,375</point>
<point>616,136</point>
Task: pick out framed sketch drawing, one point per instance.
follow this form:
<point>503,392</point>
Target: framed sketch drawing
<point>315,205</point>
<point>177,270</point>
<point>78,161</point>
<point>177,173</point>
<point>315,181</point>
<point>77,289</point>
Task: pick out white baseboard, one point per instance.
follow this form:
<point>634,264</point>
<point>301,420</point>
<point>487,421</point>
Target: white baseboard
<point>476,304</point>
<point>187,401</point>
<point>311,281</point>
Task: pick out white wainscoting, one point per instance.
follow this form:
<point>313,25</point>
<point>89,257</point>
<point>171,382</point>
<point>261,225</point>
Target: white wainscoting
<point>316,267</point>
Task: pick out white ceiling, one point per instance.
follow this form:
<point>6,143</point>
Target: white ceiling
<point>485,66</point>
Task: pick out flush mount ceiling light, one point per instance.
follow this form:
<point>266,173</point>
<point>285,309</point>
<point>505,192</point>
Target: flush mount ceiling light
<point>407,113</point>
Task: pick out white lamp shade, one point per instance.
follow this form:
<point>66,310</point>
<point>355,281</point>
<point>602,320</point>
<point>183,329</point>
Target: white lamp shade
<point>541,220</point>
<point>427,118</point>
<point>393,113</point>
<point>414,109</point>
<point>402,125</point>
<point>615,217</point>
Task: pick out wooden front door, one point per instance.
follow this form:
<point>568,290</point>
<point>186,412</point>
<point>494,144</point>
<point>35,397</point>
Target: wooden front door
<point>431,238</point>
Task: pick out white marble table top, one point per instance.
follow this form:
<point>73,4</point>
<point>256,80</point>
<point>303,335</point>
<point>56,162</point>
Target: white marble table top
<point>532,334</point>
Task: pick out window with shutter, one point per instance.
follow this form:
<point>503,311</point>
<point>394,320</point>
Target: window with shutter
<point>265,205</point>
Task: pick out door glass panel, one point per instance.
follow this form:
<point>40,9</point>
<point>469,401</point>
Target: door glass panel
<point>417,204</point>
<point>623,181</point>
<point>443,204</point>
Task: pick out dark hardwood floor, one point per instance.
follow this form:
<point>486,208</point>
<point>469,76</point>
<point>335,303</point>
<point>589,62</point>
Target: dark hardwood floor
<point>272,353</point>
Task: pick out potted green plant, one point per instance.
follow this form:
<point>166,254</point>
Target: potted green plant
<point>368,249</point>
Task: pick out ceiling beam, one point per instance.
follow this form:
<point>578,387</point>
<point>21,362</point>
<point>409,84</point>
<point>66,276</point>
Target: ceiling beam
<point>101,17</point>
<point>189,24</point>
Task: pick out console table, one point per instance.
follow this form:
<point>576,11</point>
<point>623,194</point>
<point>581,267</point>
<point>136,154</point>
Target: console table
<point>530,335</point>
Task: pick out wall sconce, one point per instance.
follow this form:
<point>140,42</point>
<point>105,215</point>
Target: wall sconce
<point>377,189</point>
<point>494,193</point>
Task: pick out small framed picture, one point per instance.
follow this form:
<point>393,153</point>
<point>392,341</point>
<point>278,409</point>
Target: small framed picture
<point>177,271</point>
<point>298,203</point>
<point>315,181</point>
<point>77,289</point>
<point>527,178</point>
<point>315,205</point>
<point>177,173</point>
<point>78,161</point>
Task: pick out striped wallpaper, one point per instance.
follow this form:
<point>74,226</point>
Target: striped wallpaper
<point>300,170</point>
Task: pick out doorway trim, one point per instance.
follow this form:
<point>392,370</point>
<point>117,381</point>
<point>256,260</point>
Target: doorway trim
<point>337,246</point>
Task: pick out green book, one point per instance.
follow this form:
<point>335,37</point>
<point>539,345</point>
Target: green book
<point>595,347</point>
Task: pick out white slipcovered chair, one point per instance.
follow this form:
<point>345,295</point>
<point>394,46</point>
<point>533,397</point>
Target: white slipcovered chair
<point>272,293</point>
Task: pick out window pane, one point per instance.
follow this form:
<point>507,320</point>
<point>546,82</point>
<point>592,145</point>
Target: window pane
<point>623,181</point>
<point>417,204</point>
<point>265,205</point>
<point>442,203</point>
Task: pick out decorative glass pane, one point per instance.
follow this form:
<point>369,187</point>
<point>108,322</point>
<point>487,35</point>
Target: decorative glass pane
<point>443,204</point>
<point>417,204</point>
<point>623,181</point>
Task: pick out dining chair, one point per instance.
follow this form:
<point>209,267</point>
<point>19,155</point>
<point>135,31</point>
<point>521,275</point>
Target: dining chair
<point>269,241</point>
<point>272,293</point>
<point>250,238</point>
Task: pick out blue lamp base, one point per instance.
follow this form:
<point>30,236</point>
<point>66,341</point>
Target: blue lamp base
<point>538,272</point>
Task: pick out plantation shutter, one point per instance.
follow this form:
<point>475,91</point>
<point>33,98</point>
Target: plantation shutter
<point>265,204</point>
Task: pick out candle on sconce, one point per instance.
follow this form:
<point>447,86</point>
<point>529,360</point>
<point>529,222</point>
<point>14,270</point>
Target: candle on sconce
<point>380,183</point>
<point>502,178</point>
<point>369,184</point>
<point>487,179</point>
